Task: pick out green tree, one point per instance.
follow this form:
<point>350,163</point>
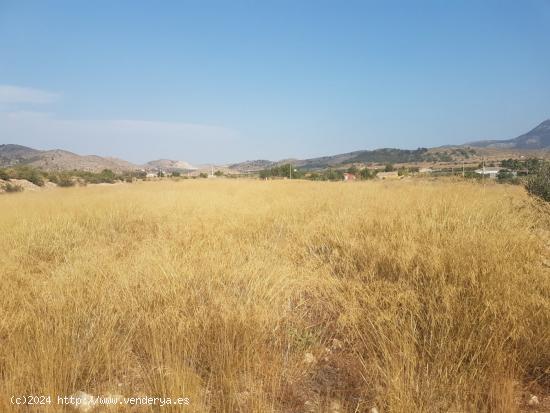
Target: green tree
<point>389,168</point>
<point>367,173</point>
<point>538,184</point>
<point>353,170</point>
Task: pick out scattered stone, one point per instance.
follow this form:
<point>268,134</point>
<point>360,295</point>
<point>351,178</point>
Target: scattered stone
<point>533,401</point>
<point>309,358</point>
<point>374,410</point>
<point>83,402</point>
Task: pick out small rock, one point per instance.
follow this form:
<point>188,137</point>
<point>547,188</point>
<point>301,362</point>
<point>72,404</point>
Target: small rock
<point>533,401</point>
<point>374,410</point>
<point>83,402</point>
<point>309,358</point>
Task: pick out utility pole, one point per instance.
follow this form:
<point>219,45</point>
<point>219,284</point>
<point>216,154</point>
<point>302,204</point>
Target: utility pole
<point>463,169</point>
<point>290,169</point>
<point>483,175</point>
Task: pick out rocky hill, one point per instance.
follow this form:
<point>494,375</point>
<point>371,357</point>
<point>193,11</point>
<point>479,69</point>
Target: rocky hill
<point>537,138</point>
<point>57,159</point>
<point>170,165</point>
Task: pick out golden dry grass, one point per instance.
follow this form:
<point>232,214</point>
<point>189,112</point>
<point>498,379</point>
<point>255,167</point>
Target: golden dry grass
<point>410,296</point>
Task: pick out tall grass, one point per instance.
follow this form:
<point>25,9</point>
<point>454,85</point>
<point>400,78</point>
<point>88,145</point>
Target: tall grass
<point>277,296</point>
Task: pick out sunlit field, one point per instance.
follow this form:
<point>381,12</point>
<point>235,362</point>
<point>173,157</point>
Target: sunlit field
<point>278,296</point>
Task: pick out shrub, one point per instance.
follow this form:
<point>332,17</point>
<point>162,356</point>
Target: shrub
<point>13,188</point>
<point>367,173</point>
<point>538,185</point>
<point>29,174</point>
<point>4,174</point>
<point>65,181</point>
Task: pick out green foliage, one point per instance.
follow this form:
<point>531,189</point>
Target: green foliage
<point>507,176</point>
<point>4,174</point>
<point>389,168</point>
<point>176,174</point>
<point>203,175</point>
<point>538,185</point>
<point>26,172</point>
<point>13,188</point>
<point>390,155</point>
<point>218,173</point>
<point>353,170</point>
<point>403,172</point>
<point>282,171</point>
<point>524,167</point>
<point>65,181</point>
<point>367,173</point>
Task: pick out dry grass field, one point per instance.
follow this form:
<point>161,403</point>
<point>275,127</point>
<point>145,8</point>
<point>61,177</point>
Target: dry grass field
<point>280,296</point>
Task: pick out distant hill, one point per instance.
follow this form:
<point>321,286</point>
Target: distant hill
<point>57,159</point>
<point>537,138</point>
<point>379,156</point>
<point>170,165</point>
<point>252,166</point>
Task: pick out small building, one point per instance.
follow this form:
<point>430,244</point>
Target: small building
<point>490,172</point>
<point>349,177</point>
<point>388,175</point>
<point>425,170</point>
<point>151,175</point>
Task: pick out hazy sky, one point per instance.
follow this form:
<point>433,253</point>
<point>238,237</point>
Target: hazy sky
<point>207,81</point>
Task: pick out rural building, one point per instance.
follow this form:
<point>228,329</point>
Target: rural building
<point>488,172</point>
<point>387,175</point>
<point>349,177</point>
<point>425,170</point>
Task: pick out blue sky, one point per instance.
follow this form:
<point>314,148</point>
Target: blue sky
<point>213,81</point>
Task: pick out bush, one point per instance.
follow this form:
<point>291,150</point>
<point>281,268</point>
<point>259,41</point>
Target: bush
<point>65,181</point>
<point>4,174</point>
<point>367,173</point>
<point>29,174</point>
<point>13,188</point>
<point>538,185</point>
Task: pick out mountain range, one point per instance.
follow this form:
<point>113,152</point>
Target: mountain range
<point>537,138</point>
<point>57,159</point>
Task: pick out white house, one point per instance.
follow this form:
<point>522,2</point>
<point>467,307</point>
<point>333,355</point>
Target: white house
<point>488,172</point>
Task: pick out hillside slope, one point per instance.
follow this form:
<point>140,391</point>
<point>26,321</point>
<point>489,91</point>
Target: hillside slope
<point>536,138</point>
<point>57,159</point>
